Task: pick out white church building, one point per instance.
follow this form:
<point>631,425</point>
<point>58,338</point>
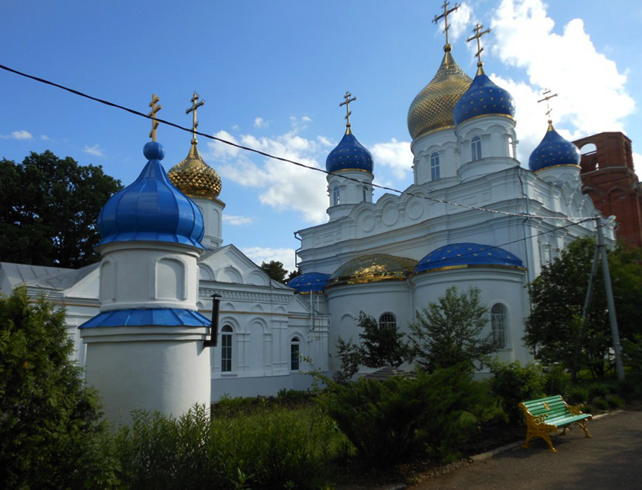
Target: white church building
<point>473,217</point>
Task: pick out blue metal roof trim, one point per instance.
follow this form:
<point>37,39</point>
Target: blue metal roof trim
<point>147,317</point>
<point>460,255</point>
<point>151,209</point>
<point>310,282</point>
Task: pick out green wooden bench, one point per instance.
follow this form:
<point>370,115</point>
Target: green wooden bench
<point>546,415</point>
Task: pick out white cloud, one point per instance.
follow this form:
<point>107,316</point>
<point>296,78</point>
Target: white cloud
<point>18,135</point>
<point>44,137</point>
<point>261,254</point>
<point>95,150</point>
<point>585,104</point>
<point>325,141</point>
<point>396,155</point>
<point>260,123</point>
<point>459,22</point>
<point>282,186</point>
<point>237,220</point>
<point>637,164</point>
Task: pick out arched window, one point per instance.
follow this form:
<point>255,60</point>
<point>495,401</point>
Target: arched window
<point>435,172</point>
<point>511,147</point>
<point>226,349</point>
<point>476,148</point>
<point>387,320</point>
<point>365,193</point>
<point>295,349</point>
<point>336,195</point>
<point>498,324</point>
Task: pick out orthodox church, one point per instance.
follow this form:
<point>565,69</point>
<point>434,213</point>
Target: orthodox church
<point>472,217</point>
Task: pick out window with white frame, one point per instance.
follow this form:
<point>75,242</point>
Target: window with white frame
<point>226,349</point>
<point>336,195</point>
<point>387,320</point>
<point>498,324</point>
<point>476,148</point>
<point>435,172</point>
<point>295,350</point>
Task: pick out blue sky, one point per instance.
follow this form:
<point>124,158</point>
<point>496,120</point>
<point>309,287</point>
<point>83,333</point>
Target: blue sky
<point>272,74</point>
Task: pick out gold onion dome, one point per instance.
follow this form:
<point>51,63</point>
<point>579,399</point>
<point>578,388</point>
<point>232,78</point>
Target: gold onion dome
<point>194,178</point>
<point>434,106</point>
<point>372,268</point>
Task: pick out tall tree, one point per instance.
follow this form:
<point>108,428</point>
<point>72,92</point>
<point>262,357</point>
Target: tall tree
<point>275,270</point>
<point>448,333</point>
<point>381,344</point>
<point>48,210</point>
<point>555,329</point>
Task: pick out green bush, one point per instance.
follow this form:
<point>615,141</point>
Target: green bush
<point>267,450</point>
<point>557,381</point>
<point>597,390</point>
<point>615,401</point>
<point>389,420</point>
<point>513,383</point>
<point>50,431</point>
<point>598,405</point>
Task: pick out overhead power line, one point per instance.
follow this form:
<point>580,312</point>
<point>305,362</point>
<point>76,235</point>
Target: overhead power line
<point>282,159</point>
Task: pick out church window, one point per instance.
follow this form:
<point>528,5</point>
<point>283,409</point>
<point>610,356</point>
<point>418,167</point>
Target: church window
<point>295,349</point>
<point>336,196</point>
<point>498,324</point>
<point>365,193</point>
<point>226,349</point>
<point>511,147</point>
<point>476,148</point>
<point>387,320</point>
<point>435,173</point>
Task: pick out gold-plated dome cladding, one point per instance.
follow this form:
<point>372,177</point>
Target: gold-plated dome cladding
<point>194,178</point>
<point>434,106</point>
<point>373,268</point>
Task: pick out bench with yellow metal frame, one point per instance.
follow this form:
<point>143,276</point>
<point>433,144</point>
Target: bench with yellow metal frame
<point>546,415</point>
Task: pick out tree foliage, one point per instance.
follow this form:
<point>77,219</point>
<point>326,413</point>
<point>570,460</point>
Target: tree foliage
<point>381,345</point>
<point>555,329</point>
<point>50,434</point>
<point>48,210</point>
<point>448,332</point>
<point>275,270</point>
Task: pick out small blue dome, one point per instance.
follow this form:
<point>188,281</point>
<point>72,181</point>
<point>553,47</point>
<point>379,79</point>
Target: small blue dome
<point>483,98</point>
<point>460,255</point>
<point>310,282</point>
<point>349,155</point>
<point>552,151</point>
<point>151,209</point>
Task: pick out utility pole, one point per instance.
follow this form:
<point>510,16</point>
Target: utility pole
<point>615,334</point>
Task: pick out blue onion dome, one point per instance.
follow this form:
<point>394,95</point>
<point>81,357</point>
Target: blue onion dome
<point>433,107</point>
<point>309,282</point>
<point>151,209</point>
<point>349,155</point>
<point>373,268</point>
<point>553,151</point>
<point>462,255</point>
<point>484,98</point>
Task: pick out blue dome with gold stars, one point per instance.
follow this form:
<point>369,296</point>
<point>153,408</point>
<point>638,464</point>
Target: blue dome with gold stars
<point>483,98</point>
<point>462,255</point>
<point>309,282</point>
<point>151,209</point>
<point>553,151</point>
<point>349,155</point>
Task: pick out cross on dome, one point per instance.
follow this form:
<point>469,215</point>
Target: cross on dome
<point>348,113</point>
<point>195,105</point>
<point>546,98</point>
<point>478,34</point>
<point>152,114</point>
<point>445,17</point>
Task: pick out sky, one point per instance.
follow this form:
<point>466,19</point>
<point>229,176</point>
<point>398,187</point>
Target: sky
<point>272,74</point>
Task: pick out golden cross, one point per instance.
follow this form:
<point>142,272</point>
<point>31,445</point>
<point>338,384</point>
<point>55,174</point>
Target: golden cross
<point>152,114</point>
<point>546,98</point>
<point>445,17</point>
<point>195,105</point>
<point>478,34</point>
<point>347,104</point>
